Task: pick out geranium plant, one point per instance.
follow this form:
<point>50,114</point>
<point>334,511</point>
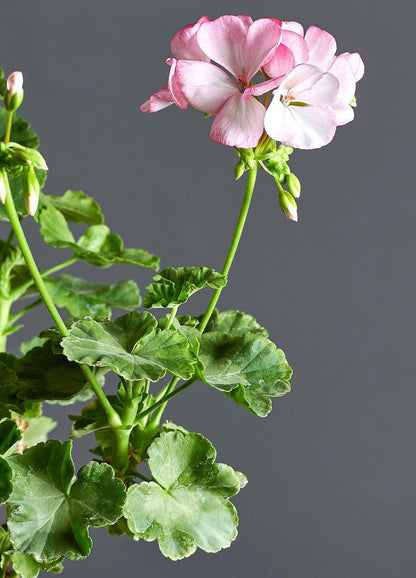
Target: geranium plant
<point>270,88</point>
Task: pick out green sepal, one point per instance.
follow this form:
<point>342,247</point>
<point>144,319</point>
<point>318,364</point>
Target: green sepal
<point>131,346</point>
<point>76,207</point>
<point>277,162</point>
<point>174,286</point>
<point>186,505</point>
<point>97,246</point>
<point>44,488</point>
<point>81,298</point>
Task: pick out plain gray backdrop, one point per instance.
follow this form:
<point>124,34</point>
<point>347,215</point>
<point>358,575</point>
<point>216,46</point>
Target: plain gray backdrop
<point>331,471</point>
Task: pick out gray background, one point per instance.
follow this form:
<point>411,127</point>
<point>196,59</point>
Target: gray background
<point>331,471</point>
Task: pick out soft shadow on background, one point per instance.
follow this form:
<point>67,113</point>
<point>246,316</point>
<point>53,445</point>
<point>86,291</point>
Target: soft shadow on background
<point>331,471</point>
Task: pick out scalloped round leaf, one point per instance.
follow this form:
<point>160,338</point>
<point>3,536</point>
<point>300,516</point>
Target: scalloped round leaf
<point>82,298</point>
<point>174,286</point>
<point>186,506</point>
<point>76,207</point>
<point>97,246</point>
<point>249,364</point>
<point>130,346</point>
<point>235,322</point>
<point>51,510</point>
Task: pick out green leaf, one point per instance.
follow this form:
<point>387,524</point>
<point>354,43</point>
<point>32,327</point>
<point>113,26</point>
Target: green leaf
<point>186,505</point>
<point>8,384</point>
<point>36,341</point>
<point>248,367</point>
<point>97,246</point>
<point>46,376</point>
<point>174,286</point>
<point>130,346</point>
<point>92,418</point>
<point>235,322</point>
<point>10,435</point>
<point>81,298</point>
<point>76,207</point>
<point>51,509</point>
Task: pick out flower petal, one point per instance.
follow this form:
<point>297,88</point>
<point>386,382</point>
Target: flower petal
<point>294,27</point>
<point>239,123</point>
<point>302,127</point>
<point>344,113</point>
<point>356,63</point>
<point>325,91</point>
<point>158,101</point>
<point>341,68</point>
<point>224,41</point>
<point>302,78</point>
<point>322,47</point>
<point>184,45</point>
<point>262,38</point>
<point>262,87</point>
<point>203,85</point>
<point>281,62</point>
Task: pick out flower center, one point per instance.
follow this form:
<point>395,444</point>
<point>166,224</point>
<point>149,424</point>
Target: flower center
<point>286,100</point>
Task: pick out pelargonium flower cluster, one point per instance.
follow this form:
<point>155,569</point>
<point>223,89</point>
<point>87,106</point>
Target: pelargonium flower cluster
<point>216,64</point>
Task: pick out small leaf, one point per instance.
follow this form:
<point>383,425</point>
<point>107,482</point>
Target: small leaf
<point>46,376</point>
<point>10,436</point>
<point>8,384</point>
<point>250,364</point>
<point>130,346</point>
<point>186,505</point>
<point>97,246</point>
<point>76,207</point>
<point>36,341</point>
<point>82,298</point>
<point>5,543</point>
<point>174,286</point>
<point>37,430</point>
<point>51,510</point>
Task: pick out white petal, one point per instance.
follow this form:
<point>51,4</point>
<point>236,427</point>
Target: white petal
<point>239,123</point>
<point>302,127</point>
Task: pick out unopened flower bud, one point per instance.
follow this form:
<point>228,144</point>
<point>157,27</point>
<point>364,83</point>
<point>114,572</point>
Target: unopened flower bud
<point>3,188</point>
<point>288,205</point>
<point>31,189</point>
<point>293,184</point>
<point>239,169</point>
<point>27,156</point>
<point>13,96</point>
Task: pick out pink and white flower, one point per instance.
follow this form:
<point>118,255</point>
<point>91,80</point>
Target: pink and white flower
<point>214,64</point>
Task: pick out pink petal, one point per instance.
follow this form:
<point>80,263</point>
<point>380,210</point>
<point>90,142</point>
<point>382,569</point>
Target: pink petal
<point>158,101</point>
<point>356,63</point>
<point>322,47</point>
<point>294,27</point>
<point>281,62</point>
<point>203,85</point>
<point>224,41</point>
<point>262,87</point>
<point>262,38</point>
<point>302,127</point>
<point>184,45</point>
<point>175,88</point>
<point>239,123</point>
<point>297,44</point>
<point>341,68</point>
<point>246,20</point>
<point>344,113</point>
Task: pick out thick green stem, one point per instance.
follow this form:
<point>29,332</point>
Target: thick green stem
<point>172,316</point>
<point>113,417</point>
<point>251,181</point>
<point>121,435</point>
